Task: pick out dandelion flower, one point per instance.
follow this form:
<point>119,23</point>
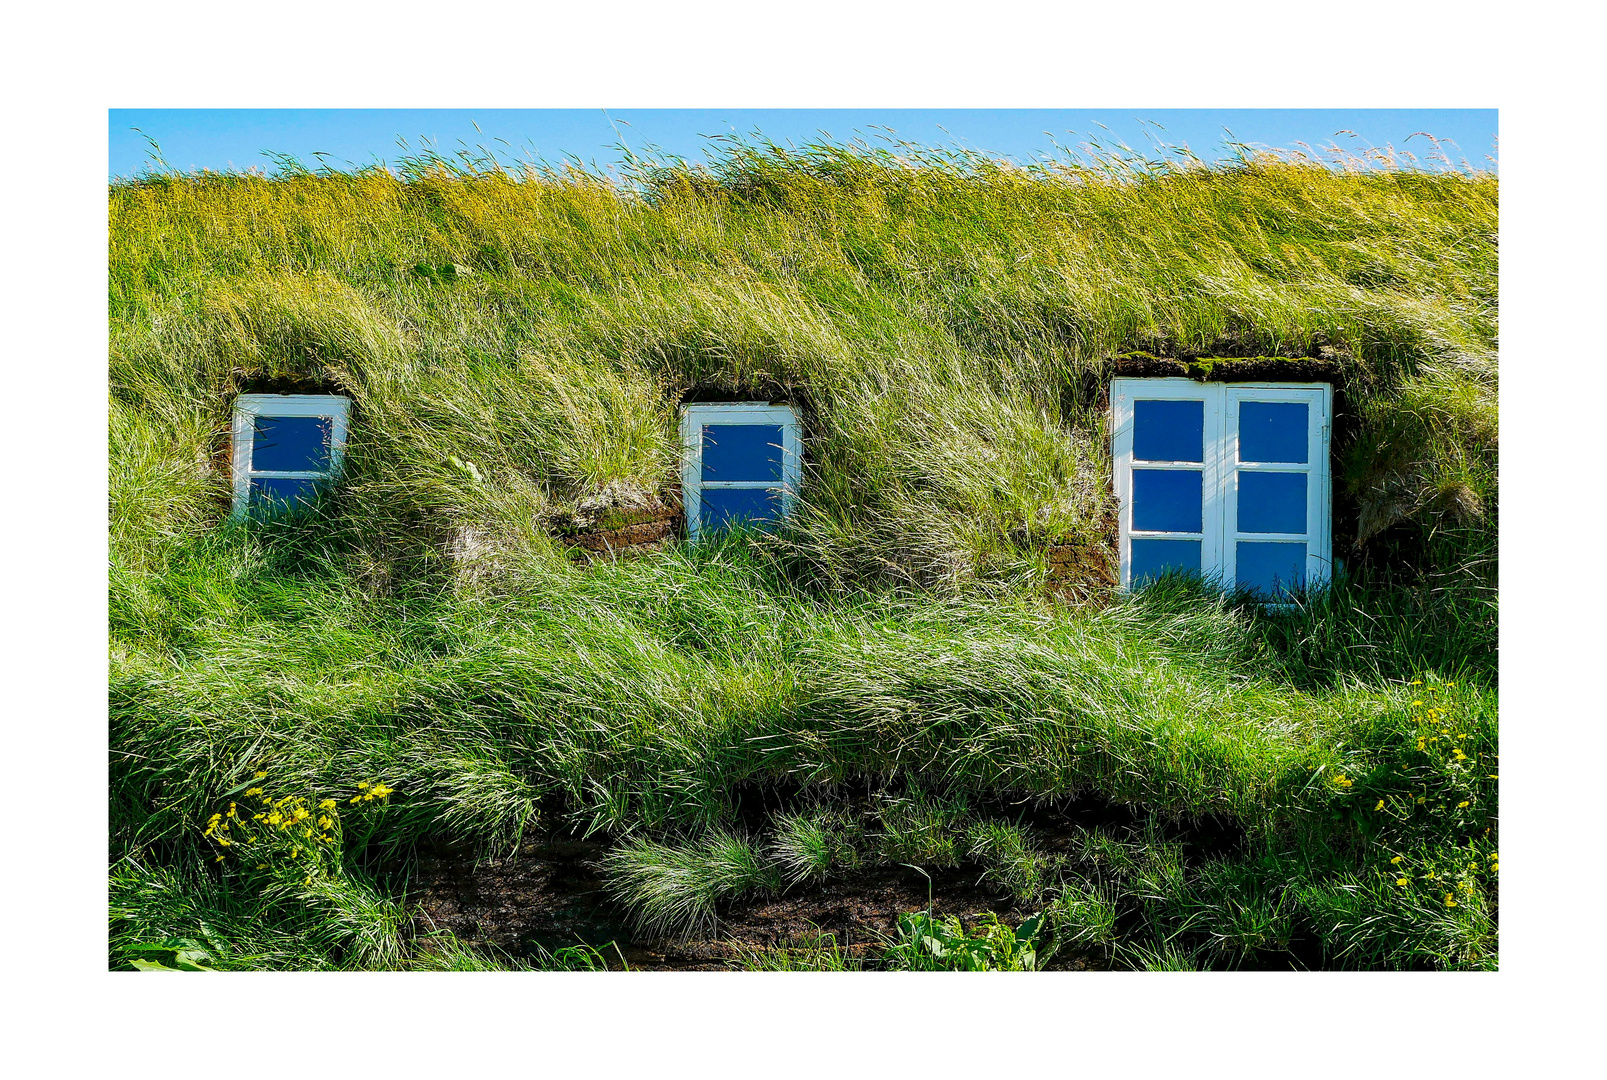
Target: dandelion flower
<point>1401,882</point>
<point>1380,805</point>
<point>1449,900</point>
<point>259,776</point>
<point>1395,861</point>
<point>1463,805</point>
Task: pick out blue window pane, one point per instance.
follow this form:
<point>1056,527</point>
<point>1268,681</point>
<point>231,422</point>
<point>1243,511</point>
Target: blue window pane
<point>1272,502</point>
<point>1167,500</point>
<point>724,505</point>
<point>1272,431</point>
<point>283,493</point>
<point>291,443</point>
<point>1270,568</point>
<point>1169,430</point>
<point>742,451</point>
<point>1152,558</point>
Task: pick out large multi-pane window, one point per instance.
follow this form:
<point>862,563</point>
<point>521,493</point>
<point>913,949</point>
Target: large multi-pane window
<point>743,462</point>
<point>1226,481</point>
<point>287,448</point>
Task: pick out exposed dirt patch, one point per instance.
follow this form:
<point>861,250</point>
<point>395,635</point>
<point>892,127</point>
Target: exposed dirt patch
<point>549,895</point>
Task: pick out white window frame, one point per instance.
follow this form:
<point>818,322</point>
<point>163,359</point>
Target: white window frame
<point>694,417</point>
<point>248,407</point>
<point>1221,468</point>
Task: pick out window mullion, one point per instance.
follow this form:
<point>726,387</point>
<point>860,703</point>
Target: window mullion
<point>1222,438</point>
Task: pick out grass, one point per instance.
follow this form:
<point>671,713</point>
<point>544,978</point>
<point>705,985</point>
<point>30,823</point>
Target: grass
<point>945,326</point>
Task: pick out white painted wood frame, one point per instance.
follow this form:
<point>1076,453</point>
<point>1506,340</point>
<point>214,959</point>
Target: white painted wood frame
<point>1220,470</point>
<point>695,417</point>
<point>248,407</point>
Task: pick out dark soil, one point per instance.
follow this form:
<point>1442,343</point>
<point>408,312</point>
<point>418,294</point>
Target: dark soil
<point>548,895</point>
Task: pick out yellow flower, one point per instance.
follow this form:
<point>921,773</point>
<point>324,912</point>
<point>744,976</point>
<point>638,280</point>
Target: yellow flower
<point>1495,867</point>
<point>1380,805</point>
<point>1493,856</point>
<point>1448,901</point>
<point>254,791</point>
<point>1395,861</point>
<point>218,859</point>
<point>1493,776</point>
<point>1401,882</point>
<point>259,776</point>
<point>380,791</point>
<point>1462,805</point>
<point>1415,682</point>
<point>1416,703</point>
<point>362,784</point>
<point>1449,685</point>
<point>327,804</point>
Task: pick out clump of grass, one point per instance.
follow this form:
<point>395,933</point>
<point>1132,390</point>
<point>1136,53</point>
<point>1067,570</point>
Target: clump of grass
<point>1083,916</point>
<point>672,889</point>
<point>442,950</point>
<point>813,844</point>
<point>1011,860</point>
<point>812,952</point>
<point>1161,957</point>
<point>922,829</point>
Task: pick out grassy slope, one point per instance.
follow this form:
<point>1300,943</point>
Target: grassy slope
<point>946,330</point>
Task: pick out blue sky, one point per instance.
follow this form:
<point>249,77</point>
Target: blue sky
<point>224,138</point>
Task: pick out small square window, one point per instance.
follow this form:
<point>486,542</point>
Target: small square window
<point>287,449</point>
<point>743,463</point>
<point>1227,481</point>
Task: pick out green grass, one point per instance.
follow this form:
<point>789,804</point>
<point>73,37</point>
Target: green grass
<point>945,327</point>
